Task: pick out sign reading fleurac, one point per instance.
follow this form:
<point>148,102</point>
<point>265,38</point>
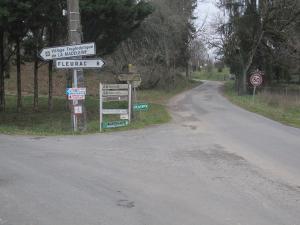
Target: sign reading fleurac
<point>68,51</point>
<point>80,63</point>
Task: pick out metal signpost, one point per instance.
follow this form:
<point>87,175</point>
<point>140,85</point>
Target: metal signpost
<point>115,92</point>
<point>256,79</point>
<point>72,59</point>
<point>134,79</point>
<point>75,35</point>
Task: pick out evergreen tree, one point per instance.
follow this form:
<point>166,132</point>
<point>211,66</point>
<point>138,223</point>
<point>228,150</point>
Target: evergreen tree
<point>257,35</point>
<point>109,22</point>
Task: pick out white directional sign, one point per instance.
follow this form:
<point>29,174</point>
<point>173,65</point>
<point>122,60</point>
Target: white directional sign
<point>115,86</point>
<point>80,63</point>
<point>115,98</point>
<point>115,111</point>
<point>124,116</point>
<point>68,51</point>
<point>115,93</point>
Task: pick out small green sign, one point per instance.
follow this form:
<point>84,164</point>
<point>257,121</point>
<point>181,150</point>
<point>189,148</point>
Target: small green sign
<point>115,124</point>
<point>141,107</point>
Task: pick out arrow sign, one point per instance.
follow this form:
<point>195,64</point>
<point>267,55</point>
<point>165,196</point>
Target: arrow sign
<point>76,91</point>
<point>115,124</point>
<point>80,63</point>
<point>68,51</point>
<point>141,107</point>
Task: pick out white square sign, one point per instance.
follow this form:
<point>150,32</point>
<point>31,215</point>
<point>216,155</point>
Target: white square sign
<point>78,109</point>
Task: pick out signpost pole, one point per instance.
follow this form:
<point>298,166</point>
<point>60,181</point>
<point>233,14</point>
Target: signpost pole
<point>129,102</point>
<point>79,123</point>
<point>256,79</point>
<point>101,106</point>
<point>254,90</point>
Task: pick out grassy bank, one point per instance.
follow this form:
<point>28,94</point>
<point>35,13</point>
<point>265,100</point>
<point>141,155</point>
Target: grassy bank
<point>212,74</point>
<point>58,122</point>
<point>284,109</point>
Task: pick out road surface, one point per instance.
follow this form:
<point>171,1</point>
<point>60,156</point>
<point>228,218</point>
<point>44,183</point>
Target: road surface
<point>214,164</point>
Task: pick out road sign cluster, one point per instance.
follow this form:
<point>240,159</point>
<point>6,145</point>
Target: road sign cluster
<point>64,59</point>
<point>62,53</point>
<point>115,92</point>
<point>64,56</point>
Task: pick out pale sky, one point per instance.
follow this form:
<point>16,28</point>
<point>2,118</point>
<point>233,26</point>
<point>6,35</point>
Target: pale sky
<point>207,12</point>
<point>205,9</point>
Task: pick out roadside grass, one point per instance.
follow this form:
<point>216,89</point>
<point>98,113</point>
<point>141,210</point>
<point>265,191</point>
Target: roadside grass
<point>161,96</point>
<point>58,122</point>
<point>214,74</point>
<point>284,109</point>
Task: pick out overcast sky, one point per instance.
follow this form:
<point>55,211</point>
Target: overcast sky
<point>206,9</point>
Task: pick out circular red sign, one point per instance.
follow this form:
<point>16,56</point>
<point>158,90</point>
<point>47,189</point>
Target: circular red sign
<point>256,78</point>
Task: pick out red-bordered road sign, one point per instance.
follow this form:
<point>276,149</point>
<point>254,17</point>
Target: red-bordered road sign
<point>256,78</point>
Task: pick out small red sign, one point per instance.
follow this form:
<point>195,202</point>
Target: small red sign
<point>256,78</point>
<point>76,97</point>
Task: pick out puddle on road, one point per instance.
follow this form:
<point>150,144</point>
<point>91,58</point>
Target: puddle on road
<point>37,138</point>
<point>125,203</point>
<point>215,153</point>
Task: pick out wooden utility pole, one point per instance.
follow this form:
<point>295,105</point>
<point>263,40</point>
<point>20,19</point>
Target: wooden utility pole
<point>75,36</point>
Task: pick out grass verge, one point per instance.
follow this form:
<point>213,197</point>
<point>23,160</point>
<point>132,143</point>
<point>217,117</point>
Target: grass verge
<point>212,74</point>
<point>58,122</point>
<point>273,108</point>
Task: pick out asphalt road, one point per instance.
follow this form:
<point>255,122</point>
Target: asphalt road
<point>214,164</point>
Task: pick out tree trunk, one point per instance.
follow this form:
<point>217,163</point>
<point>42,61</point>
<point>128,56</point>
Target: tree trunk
<point>50,86</point>
<point>236,84</point>
<point>36,84</point>
<point>243,84</point>
<point>2,85</point>
<point>38,39</point>
<point>50,70</point>
<point>167,77</point>
<point>6,56</point>
<point>187,70</point>
<point>247,65</point>
<point>19,87</point>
